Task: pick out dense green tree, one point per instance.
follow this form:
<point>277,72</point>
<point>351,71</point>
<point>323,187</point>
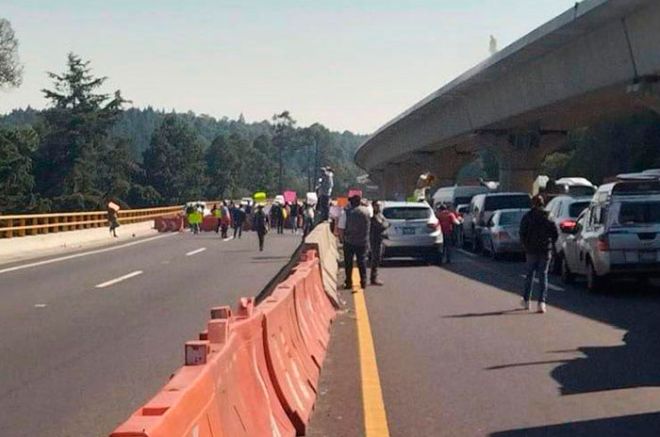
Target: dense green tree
<point>222,161</point>
<point>17,146</point>
<point>174,164</point>
<point>77,124</point>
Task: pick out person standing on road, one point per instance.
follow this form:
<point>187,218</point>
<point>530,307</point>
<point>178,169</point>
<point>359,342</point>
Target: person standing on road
<point>112,218</point>
<point>260,225</point>
<point>217,213</point>
<point>326,184</point>
<point>277,216</point>
<point>225,219</point>
<point>538,235</point>
<point>308,219</point>
<point>238,220</point>
<point>378,225</point>
<point>448,220</point>
<point>353,226</point>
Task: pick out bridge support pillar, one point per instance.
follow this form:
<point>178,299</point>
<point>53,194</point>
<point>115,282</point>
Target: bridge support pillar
<point>520,155</point>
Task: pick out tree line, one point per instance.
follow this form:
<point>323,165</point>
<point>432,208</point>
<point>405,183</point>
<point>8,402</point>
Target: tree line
<point>86,148</point>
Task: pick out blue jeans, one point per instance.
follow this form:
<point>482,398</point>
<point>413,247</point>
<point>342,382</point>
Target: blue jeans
<point>537,263</point>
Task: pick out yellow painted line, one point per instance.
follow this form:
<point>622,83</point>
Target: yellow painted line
<point>375,418</point>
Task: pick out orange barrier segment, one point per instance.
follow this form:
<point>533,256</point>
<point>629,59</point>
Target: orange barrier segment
<point>224,390</point>
<point>293,371</point>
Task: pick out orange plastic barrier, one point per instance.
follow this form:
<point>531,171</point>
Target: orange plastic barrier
<point>253,372</point>
<point>292,369</point>
<point>169,223</point>
<point>224,390</point>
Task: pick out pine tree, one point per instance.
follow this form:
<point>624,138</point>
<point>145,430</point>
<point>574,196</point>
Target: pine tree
<point>78,123</point>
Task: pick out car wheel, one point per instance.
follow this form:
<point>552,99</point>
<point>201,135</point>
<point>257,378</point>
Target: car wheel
<point>595,283</point>
<point>566,276</point>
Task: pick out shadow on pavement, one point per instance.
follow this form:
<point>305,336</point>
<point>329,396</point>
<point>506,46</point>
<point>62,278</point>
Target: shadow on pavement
<point>624,426</point>
<point>635,363</point>
<point>513,312</point>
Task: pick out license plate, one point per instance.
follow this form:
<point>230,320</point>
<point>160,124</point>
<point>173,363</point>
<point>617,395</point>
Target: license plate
<point>648,256</point>
<point>408,231</point>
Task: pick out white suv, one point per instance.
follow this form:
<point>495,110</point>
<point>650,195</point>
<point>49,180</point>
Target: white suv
<point>618,235</point>
<point>414,231</point>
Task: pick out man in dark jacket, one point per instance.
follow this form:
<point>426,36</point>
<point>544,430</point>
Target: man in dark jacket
<point>378,225</point>
<point>538,234</point>
<point>354,233</point>
<point>260,225</point>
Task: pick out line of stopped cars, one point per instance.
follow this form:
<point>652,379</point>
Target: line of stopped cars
<point>605,233</point>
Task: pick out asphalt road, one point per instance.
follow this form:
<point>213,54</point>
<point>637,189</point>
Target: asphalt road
<point>81,349</point>
<point>458,357</point>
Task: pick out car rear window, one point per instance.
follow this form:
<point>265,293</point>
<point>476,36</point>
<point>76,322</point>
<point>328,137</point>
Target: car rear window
<point>406,213</point>
<point>493,203</point>
<point>576,208</point>
<point>511,217</point>
<point>632,213</point>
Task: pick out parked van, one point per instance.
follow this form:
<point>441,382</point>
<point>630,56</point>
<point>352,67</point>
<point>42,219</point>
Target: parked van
<point>618,235</point>
<point>482,208</point>
<point>457,195</point>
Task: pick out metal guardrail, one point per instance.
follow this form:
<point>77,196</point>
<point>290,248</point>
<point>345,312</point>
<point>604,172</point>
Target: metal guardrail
<point>34,224</point>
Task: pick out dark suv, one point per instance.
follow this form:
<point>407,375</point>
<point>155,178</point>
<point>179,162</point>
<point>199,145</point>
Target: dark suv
<point>482,208</point>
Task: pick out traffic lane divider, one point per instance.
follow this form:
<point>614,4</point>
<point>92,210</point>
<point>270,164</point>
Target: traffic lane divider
<point>294,373</point>
<point>253,371</point>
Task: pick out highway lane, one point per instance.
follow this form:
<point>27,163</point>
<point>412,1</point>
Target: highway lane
<point>78,359</point>
<point>458,357</point>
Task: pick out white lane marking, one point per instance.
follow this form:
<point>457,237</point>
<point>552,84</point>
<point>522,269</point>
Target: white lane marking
<point>79,255</point>
<point>195,252</point>
<point>228,238</point>
<point>40,305</point>
<point>465,252</point>
<point>550,286</point>
<point>119,279</point>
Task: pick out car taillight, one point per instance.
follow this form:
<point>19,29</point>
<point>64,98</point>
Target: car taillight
<point>432,225</point>
<point>567,225</point>
<point>603,244</point>
<point>502,235</point>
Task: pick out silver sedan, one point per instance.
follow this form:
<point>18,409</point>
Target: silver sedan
<point>502,233</point>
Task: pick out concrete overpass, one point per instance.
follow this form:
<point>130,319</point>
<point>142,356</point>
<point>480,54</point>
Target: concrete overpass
<point>598,59</point>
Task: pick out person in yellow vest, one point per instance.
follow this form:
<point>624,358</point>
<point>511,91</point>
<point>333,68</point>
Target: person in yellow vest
<point>217,213</point>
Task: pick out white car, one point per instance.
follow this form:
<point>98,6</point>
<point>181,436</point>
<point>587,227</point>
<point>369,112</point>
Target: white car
<point>414,231</point>
<point>564,211</point>
<point>618,235</point>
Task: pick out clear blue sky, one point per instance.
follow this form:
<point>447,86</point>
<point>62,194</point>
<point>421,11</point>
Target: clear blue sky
<point>349,64</point>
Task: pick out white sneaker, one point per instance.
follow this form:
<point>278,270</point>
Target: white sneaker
<point>524,304</point>
<point>541,307</point>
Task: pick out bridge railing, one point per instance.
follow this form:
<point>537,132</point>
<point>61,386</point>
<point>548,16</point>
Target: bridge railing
<point>35,224</point>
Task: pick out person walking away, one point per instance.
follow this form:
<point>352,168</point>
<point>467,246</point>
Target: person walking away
<point>225,220</point>
<point>448,219</point>
<point>260,225</point>
<point>354,226</point>
<point>113,221</point>
<point>325,192</point>
<point>308,219</point>
<point>217,213</point>
<point>239,219</point>
<point>378,225</point>
<point>191,216</point>
<point>293,208</point>
<point>538,235</point>
<point>276,215</point>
